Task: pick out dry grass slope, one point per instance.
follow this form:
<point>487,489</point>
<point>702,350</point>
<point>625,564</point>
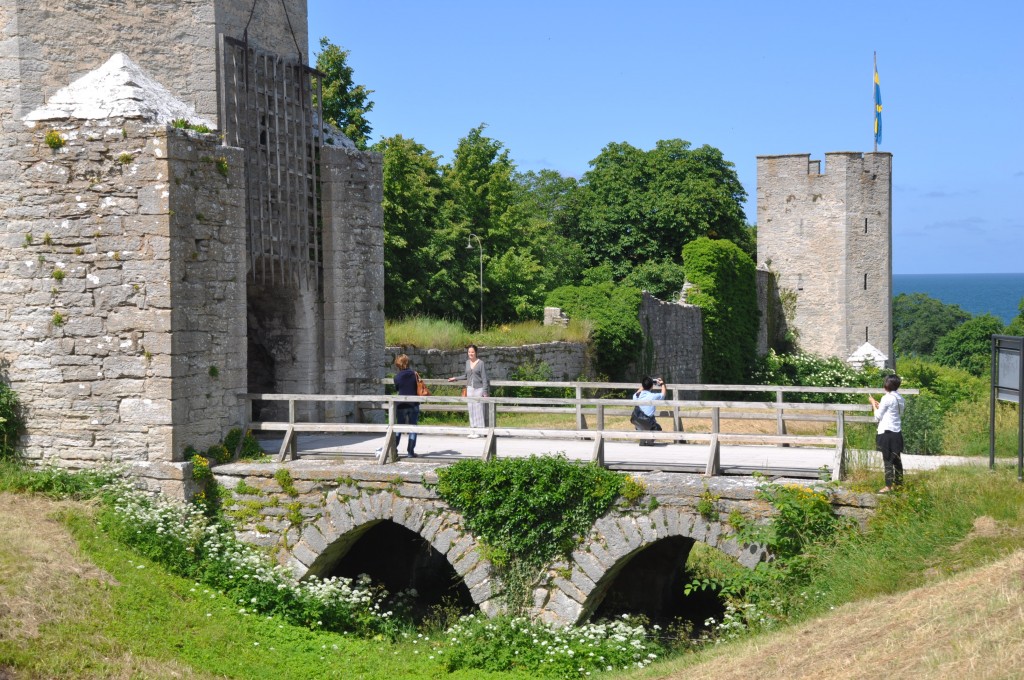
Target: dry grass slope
<point>969,626</point>
<point>41,577</point>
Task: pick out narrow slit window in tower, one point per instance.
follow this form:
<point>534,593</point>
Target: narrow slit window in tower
<point>865,225</point>
<point>865,281</point>
<point>865,333</point>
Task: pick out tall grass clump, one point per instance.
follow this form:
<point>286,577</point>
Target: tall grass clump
<point>54,482</point>
<point>421,331</point>
<point>11,423</point>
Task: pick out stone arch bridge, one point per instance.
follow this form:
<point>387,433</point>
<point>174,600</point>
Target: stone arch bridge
<point>320,514</point>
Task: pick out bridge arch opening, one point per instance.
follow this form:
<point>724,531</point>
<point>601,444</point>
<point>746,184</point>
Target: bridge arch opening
<point>401,559</point>
<point>652,582</point>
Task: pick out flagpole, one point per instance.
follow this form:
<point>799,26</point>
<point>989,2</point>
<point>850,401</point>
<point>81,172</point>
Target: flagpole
<point>874,104</point>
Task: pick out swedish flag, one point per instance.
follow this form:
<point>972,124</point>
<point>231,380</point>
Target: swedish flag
<point>878,110</point>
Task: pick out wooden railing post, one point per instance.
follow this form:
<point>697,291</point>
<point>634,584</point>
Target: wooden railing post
<point>677,421</point>
<point>716,420</point>
<point>780,427</point>
<point>293,448</point>
<point>839,461</point>
<point>581,420</point>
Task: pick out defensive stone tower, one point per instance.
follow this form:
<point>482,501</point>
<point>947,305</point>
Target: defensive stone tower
<point>828,237</point>
<point>149,274</point>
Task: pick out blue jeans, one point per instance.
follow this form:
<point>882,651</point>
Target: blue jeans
<point>407,414</point>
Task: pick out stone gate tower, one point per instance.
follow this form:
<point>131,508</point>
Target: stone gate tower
<point>149,274</point>
<point>828,238</point>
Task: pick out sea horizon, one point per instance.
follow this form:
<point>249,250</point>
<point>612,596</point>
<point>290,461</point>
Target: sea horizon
<point>997,294</point>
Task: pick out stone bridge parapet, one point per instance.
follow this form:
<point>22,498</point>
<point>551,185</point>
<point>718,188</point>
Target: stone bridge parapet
<point>311,513</point>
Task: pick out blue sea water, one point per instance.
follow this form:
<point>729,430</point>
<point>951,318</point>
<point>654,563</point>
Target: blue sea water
<point>996,294</point>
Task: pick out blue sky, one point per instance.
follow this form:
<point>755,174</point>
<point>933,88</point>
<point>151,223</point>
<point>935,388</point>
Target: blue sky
<point>556,81</point>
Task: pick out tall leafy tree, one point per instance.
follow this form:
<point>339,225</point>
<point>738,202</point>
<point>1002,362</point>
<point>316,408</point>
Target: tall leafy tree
<point>634,206</point>
<point>345,104</point>
<point>483,197</point>
<point>918,321</point>
<point>969,345</point>
<point>412,197</point>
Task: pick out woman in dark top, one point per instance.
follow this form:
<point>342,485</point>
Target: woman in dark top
<point>406,413</point>
<point>477,385</point>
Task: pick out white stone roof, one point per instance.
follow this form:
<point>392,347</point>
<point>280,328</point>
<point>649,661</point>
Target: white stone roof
<point>868,354</point>
<point>118,89</point>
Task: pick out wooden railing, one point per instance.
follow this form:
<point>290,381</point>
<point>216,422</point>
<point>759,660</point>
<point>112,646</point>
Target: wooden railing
<point>590,416</point>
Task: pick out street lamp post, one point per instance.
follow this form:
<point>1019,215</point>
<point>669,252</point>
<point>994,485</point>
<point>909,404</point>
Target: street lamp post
<point>469,246</point>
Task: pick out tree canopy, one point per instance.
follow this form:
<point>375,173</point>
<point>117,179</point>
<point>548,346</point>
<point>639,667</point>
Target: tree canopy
<point>635,206</point>
<point>969,345</point>
<point>919,321</point>
<point>344,103</point>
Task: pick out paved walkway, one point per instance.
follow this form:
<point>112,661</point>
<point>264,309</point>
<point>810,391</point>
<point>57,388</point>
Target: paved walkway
<point>621,455</point>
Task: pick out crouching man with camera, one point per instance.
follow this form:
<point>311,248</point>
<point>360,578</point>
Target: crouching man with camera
<point>643,413</point>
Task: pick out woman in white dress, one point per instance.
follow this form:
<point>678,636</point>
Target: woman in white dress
<point>477,385</point>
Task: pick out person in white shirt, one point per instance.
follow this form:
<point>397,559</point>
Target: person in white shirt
<point>889,440</point>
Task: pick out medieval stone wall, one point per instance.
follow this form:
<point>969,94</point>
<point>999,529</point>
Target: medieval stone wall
<point>674,340</point>
<point>828,237</point>
<point>121,264</point>
<point>567,360</point>
<point>353,285</point>
<point>48,45</point>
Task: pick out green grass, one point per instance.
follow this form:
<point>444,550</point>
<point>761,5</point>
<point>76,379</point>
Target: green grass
<point>421,331</point>
<point>161,622</point>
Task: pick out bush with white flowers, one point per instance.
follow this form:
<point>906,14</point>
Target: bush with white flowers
<point>187,542</point>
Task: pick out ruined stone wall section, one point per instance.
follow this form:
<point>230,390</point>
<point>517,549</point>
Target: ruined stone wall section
<point>811,232</point>
<point>567,360</point>
<point>48,45</point>
<point>674,338</point>
<point>353,263</point>
<point>94,240</point>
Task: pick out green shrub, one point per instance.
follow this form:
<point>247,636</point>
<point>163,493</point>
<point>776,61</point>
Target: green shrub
<point>614,312</point>
<point>55,140</point>
<point>251,449</point>
<point>725,289</point>
<point>11,423</point>
<point>219,454</point>
<point>969,345</point>
<point>533,508</point>
<point>527,510</point>
<point>664,280</point>
<point>201,468</point>
<point>814,371</point>
<point>284,479</point>
<point>541,650</point>
<point>922,423</point>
